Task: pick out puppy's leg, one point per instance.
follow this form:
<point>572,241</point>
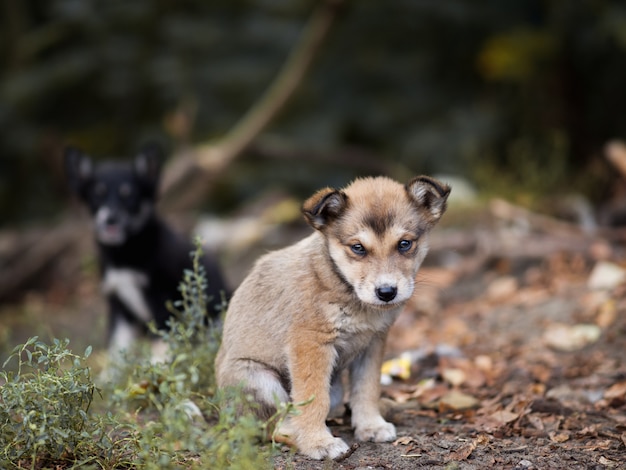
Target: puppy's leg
<point>159,351</point>
<point>311,365</point>
<point>259,380</point>
<point>123,337</point>
<point>337,407</point>
<point>367,421</point>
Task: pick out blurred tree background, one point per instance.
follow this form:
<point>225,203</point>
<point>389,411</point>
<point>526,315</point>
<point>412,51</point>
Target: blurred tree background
<point>515,94</point>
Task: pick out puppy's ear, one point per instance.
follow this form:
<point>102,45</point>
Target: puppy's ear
<point>78,169</point>
<point>323,207</point>
<point>430,194</point>
<point>147,164</point>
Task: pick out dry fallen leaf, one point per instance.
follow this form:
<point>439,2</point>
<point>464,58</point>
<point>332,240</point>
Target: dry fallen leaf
<point>427,396</point>
<point>404,441</point>
<point>608,463</point>
<point>463,453</point>
<point>591,430</point>
<point>607,314</point>
<point>551,423</point>
<point>616,392</point>
<point>501,288</point>
<point>606,275</point>
<point>559,437</point>
<point>484,363</point>
<point>568,396</point>
<point>455,400</point>
<point>604,444</point>
<point>459,371</point>
<point>535,421</point>
<point>571,337</point>
<point>454,377</point>
<point>503,417</point>
<point>494,421</point>
<point>425,386</point>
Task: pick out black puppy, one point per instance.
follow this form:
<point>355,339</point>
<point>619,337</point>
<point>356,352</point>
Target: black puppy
<point>142,260</point>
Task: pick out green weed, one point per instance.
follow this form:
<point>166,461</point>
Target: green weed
<point>158,416</point>
<point>45,406</point>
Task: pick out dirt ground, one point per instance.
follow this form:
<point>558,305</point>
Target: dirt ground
<point>511,355</point>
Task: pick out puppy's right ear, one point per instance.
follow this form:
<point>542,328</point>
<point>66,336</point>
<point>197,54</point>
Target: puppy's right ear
<point>323,207</point>
<point>78,168</point>
<point>148,163</point>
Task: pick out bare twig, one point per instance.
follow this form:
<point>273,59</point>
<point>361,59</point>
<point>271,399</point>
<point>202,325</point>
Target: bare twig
<point>197,168</point>
<point>347,453</point>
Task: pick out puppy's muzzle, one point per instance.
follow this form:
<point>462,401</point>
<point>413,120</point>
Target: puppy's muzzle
<point>110,226</point>
<point>386,293</point>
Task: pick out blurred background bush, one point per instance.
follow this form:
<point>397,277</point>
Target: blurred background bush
<point>522,93</point>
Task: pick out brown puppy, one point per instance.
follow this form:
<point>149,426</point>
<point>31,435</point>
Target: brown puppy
<point>307,312</point>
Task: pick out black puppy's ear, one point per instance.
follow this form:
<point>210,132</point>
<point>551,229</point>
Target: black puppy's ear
<point>429,194</point>
<point>323,207</point>
<point>78,168</point>
<point>147,164</point>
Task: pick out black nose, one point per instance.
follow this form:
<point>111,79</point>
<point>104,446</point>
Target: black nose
<point>112,219</point>
<point>386,293</point>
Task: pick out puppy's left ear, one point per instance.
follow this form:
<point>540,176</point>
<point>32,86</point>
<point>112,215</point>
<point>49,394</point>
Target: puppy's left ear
<point>148,164</point>
<point>429,194</point>
<point>323,207</point>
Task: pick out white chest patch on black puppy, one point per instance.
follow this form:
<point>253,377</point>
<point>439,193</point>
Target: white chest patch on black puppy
<point>128,285</point>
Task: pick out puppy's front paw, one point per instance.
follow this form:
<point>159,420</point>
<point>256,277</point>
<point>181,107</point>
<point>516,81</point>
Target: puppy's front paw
<point>328,446</point>
<point>316,444</point>
<point>377,430</point>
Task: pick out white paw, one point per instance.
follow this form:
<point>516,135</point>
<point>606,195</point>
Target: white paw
<point>329,447</point>
<point>318,444</point>
<point>378,431</point>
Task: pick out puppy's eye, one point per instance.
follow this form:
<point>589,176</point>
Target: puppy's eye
<point>404,245</point>
<point>358,249</point>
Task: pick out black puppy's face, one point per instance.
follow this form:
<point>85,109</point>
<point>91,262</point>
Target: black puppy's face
<point>120,196</point>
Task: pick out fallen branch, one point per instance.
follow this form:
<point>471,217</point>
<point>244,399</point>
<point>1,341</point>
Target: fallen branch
<point>540,237</point>
<point>26,256</point>
<point>544,223</point>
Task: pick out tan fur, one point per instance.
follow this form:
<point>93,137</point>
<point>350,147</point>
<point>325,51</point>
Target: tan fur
<point>309,311</point>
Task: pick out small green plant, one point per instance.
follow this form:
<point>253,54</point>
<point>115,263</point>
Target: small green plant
<point>44,406</point>
<point>164,415</point>
<point>186,424</point>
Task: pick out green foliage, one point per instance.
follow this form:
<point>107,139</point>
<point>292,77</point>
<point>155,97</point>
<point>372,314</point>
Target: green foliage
<point>45,405</point>
<point>187,423</point>
<point>167,415</point>
<point>526,167</point>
